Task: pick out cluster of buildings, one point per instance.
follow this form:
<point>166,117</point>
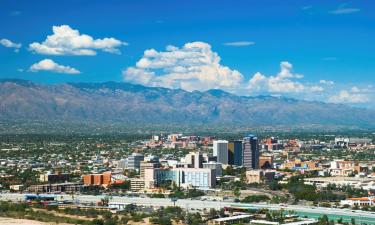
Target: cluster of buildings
<point>197,169</point>
<point>201,167</point>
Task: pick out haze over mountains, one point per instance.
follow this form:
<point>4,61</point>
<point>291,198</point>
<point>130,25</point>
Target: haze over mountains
<point>128,103</point>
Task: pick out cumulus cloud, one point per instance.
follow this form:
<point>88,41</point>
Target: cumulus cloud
<point>193,66</point>
<point>354,95</point>
<point>327,82</point>
<point>67,41</point>
<point>316,88</point>
<point>239,43</point>
<point>283,82</point>
<point>9,44</point>
<point>51,66</point>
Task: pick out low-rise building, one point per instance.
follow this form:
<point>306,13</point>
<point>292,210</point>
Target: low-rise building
<point>62,187</point>
<point>354,182</point>
<point>184,177</point>
<point>103,179</point>
<point>54,178</point>
<point>137,184</point>
<point>364,201</point>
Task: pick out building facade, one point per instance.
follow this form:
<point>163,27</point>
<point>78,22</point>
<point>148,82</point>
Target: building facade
<point>250,152</point>
<point>182,177</point>
<point>235,154</point>
<point>220,150</point>
<point>134,161</point>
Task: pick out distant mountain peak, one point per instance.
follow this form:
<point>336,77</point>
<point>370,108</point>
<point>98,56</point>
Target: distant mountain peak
<point>111,102</point>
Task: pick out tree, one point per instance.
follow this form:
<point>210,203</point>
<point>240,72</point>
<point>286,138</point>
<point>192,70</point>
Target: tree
<point>255,198</point>
<point>323,220</point>
<point>237,192</point>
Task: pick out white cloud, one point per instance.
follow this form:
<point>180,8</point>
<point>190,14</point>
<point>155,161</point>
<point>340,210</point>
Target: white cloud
<point>344,10</point>
<point>354,95</point>
<point>194,66</point>
<point>327,82</point>
<point>316,88</point>
<point>9,44</point>
<point>51,66</point>
<point>239,43</point>
<point>67,41</point>
<point>280,83</point>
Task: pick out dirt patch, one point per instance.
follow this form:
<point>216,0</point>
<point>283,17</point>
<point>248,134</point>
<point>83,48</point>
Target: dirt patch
<point>12,221</point>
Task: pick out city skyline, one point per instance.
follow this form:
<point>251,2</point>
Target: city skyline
<point>311,50</point>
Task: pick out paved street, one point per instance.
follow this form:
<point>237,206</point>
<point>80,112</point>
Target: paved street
<point>368,217</point>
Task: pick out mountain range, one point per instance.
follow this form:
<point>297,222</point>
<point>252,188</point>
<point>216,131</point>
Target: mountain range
<point>114,102</point>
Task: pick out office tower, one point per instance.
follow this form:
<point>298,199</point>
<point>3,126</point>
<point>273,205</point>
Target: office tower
<point>235,153</point>
<point>194,159</point>
<point>147,165</point>
<point>215,166</point>
<point>134,161</point>
<point>250,152</point>
<point>220,150</point>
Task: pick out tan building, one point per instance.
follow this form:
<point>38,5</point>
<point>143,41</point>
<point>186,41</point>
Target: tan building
<point>147,165</point>
<point>258,176</point>
<point>254,176</point>
<point>308,165</point>
<point>137,184</point>
<point>265,161</point>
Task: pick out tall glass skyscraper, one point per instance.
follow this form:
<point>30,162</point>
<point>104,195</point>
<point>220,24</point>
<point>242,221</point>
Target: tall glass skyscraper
<point>250,152</point>
<point>235,154</point>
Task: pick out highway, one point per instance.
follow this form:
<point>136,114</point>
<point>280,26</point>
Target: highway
<point>347,214</point>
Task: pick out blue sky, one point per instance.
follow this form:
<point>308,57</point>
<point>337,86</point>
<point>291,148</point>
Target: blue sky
<point>314,50</point>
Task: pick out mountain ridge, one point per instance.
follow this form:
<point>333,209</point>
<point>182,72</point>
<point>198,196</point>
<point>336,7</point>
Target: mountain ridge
<point>110,102</point>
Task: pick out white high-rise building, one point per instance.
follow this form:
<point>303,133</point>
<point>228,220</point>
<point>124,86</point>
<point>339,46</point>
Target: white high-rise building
<point>220,150</point>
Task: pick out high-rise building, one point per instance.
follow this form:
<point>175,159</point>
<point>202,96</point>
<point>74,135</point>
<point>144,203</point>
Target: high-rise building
<point>147,165</point>
<point>250,152</point>
<point>134,161</point>
<point>194,159</point>
<point>215,166</point>
<point>220,150</point>
<point>235,155</point>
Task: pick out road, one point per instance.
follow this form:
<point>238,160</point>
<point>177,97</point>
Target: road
<point>347,214</point>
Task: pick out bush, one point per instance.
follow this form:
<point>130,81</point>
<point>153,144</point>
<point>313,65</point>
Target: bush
<point>255,198</point>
